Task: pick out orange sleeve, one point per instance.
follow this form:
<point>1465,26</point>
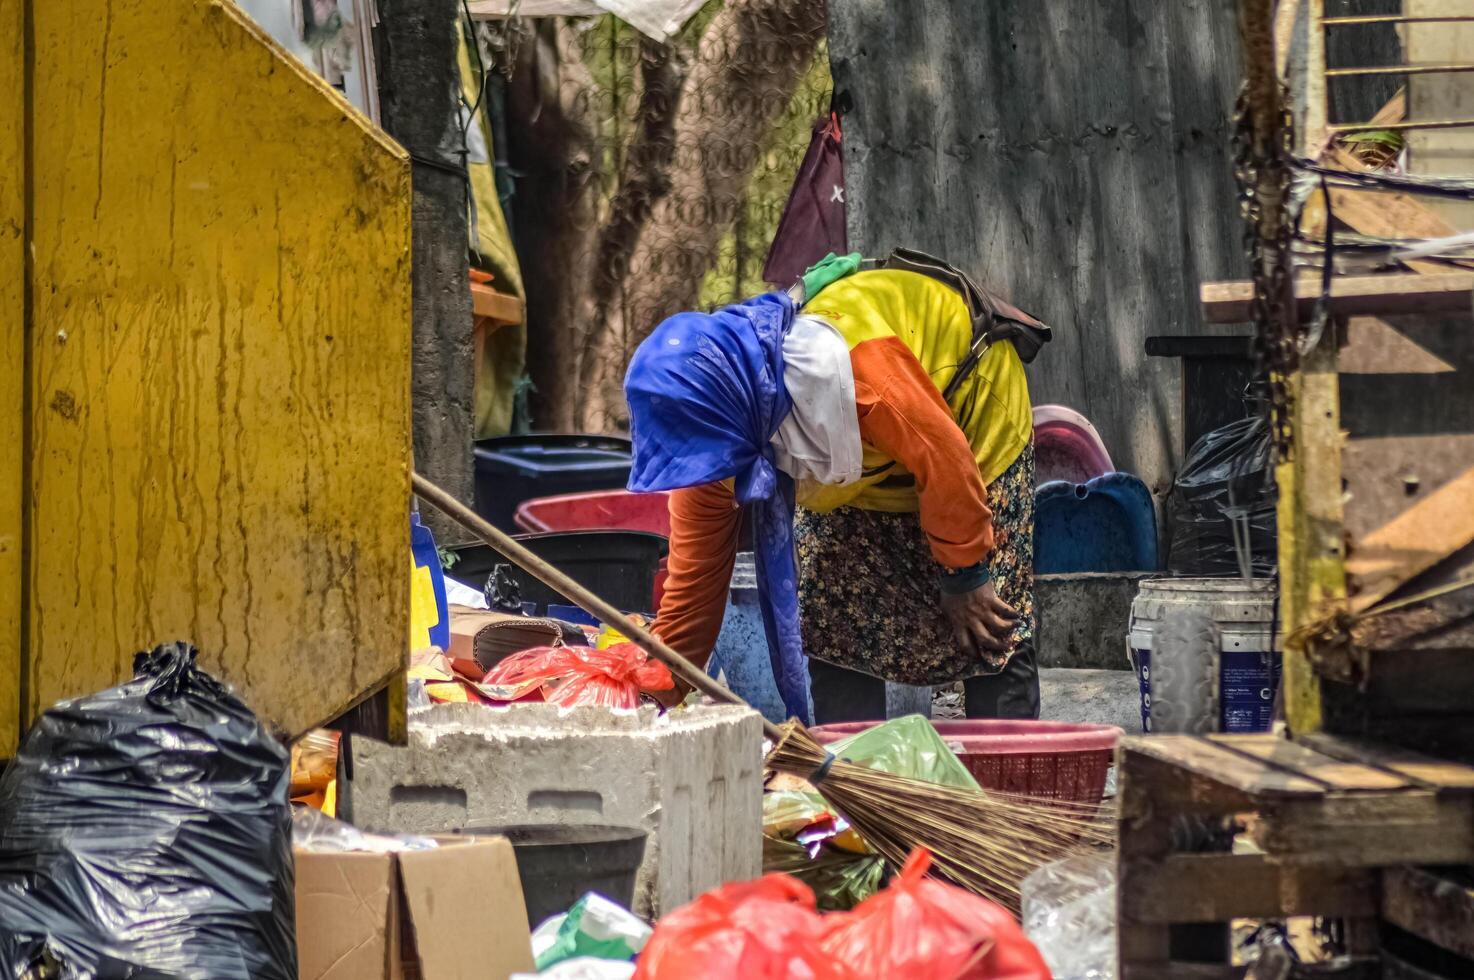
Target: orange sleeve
<point>902,415</point>
<point>704,525</point>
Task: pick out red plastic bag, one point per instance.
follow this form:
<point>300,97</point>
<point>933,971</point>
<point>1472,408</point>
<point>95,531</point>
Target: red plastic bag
<point>920,928</point>
<point>571,676</point>
<point>766,929</point>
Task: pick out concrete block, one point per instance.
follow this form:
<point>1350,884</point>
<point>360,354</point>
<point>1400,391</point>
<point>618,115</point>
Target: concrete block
<point>1083,618</point>
<point>692,779</point>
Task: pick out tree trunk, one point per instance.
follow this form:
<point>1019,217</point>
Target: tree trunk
<point>748,66</point>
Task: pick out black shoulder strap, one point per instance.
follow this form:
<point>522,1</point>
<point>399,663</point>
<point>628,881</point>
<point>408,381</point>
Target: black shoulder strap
<point>993,317</point>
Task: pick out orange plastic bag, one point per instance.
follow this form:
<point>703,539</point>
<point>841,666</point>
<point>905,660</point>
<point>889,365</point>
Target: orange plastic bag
<point>919,928</point>
<point>766,929</point>
<point>572,676</point>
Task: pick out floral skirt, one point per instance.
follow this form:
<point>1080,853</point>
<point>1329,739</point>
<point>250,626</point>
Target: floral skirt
<point>868,594</point>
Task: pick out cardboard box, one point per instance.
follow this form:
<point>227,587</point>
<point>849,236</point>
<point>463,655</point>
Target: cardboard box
<point>453,913</point>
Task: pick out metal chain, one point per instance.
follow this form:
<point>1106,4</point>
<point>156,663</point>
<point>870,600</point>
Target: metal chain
<point>1276,344</point>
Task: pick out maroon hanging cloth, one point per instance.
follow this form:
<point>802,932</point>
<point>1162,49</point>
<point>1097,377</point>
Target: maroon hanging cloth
<point>812,225</point>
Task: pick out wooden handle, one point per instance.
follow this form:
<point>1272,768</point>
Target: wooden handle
<point>590,603</point>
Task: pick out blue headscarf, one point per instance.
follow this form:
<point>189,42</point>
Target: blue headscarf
<point>706,396</point>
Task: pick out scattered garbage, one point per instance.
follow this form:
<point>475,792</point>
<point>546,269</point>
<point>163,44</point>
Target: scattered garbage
<point>583,968</point>
<point>767,929</point>
<point>594,927</point>
<point>145,831</point>
<point>919,928</point>
<point>803,837</point>
<point>568,676</point>
<point>315,771</point>
<point>1221,512</point>
<point>1070,913</point>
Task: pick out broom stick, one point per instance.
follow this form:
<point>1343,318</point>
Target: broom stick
<point>559,581</point>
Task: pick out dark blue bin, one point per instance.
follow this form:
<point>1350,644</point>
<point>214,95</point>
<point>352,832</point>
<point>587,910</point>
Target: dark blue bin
<point>1108,524</point>
<point>511,469</point>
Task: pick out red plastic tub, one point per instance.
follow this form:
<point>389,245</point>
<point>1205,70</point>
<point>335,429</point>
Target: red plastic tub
<point>1053,760</point>
<point>596,510</point>
<point>601,510</point>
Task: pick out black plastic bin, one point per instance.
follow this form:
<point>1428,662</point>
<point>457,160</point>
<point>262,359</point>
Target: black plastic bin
<point>618,566</point>
<point>559,863</point>
<point>511,469</point>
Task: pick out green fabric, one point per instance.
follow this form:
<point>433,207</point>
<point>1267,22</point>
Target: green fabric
<point>829,269</point>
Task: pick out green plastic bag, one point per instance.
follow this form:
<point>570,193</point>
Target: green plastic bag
<point>840,880</point>
<point>907,746</point>
<point>596,927</point>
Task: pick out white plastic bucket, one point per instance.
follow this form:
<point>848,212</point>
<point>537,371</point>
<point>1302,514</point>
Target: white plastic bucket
<point>1249,668</point>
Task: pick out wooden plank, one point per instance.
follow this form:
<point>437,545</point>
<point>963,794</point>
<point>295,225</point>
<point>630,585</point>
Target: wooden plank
<point>503,309</point>
<point>1436,774</point>
<point>1302,761</point>
<point>1413,542</point>
<point>12,362</point>
<point>1311,530</point>
<point>1220,887</point>
<point>1434,906</point>
<point>1211,763</point>
<point>1382,295</point>
<point>1368,829</point>
<point>220,363</point>
<point>1407,397</point>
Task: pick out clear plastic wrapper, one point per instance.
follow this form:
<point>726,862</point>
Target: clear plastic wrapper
<point>314,831</point>
<point>1070,914</point>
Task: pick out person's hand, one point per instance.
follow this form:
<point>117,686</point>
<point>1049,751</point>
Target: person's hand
<point>982,622</point>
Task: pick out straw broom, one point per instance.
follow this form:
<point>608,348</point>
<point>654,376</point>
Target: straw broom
<point>985,842</point>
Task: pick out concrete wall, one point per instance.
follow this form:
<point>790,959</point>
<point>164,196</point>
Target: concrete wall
<point>1073,154</point>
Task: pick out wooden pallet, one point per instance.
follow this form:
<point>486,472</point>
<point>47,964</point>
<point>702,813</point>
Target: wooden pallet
<point>1323,818</point>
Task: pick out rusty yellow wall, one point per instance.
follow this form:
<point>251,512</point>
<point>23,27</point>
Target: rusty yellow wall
<point>220,362</point>
<point>12,358</point>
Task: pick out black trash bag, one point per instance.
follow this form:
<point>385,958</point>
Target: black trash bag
<point>1223,502</point>
<point>145,832</point>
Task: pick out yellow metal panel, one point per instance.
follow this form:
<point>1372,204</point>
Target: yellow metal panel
<point>1312,550</point>
<point>12,358</point>
<point>220,352</point>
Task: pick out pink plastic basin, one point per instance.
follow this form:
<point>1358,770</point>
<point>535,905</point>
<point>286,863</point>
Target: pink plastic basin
<point>1054,760</point>
<point>1067,447</point>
